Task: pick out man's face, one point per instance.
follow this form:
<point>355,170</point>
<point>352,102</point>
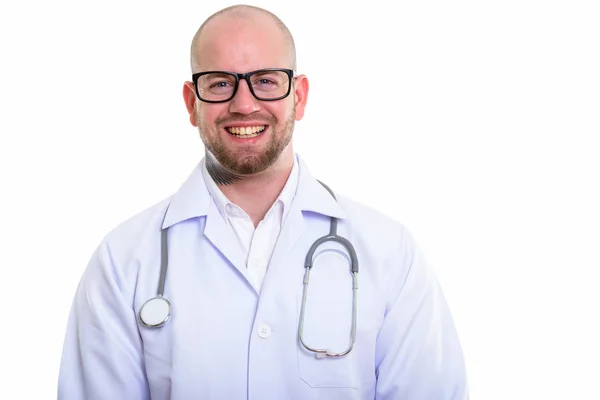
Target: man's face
<point>243,45</point>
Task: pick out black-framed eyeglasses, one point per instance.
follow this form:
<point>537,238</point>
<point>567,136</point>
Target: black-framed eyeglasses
<point>268,84</point>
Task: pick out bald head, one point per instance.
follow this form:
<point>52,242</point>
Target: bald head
<point>235,17</point>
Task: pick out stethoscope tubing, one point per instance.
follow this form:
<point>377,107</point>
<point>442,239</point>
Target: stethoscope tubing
<point>331,237</point>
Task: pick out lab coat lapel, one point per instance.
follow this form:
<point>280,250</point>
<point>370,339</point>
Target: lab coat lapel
<point>310,197</point>
<point>291,231</point>
<point>193,200</point>
<point>222,236</point>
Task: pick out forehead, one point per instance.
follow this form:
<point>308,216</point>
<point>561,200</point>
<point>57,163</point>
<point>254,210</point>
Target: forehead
<point>242,44</point>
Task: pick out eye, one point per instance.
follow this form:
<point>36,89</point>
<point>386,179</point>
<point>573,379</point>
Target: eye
<point>217,83</point>
<point>265,81</point>
<point>220,85</point>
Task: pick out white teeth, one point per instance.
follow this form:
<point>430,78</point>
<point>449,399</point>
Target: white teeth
<point>249,130</point>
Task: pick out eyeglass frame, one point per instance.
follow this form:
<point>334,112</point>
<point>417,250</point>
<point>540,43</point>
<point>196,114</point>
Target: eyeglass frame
<point>245,76</point>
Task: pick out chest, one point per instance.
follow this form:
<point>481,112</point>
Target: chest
<point>221,326</point>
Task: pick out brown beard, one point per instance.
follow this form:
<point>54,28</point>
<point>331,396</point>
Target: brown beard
<point>226,167</point>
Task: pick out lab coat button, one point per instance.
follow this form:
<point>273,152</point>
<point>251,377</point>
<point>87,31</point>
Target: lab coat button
<point>264,331</point>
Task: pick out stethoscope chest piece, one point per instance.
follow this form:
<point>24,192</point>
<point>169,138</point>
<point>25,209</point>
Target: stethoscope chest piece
<point>155,312</point>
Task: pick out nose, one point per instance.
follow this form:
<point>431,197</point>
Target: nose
<point>243,102</point>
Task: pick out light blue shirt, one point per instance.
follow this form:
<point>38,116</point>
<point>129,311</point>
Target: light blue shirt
<point>225,341</point>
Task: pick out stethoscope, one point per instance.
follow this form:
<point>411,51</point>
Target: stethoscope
<point>155,312</point>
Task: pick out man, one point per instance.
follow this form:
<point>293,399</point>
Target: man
<point>244,318</point>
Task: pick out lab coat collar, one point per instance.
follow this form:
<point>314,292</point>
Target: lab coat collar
<point>194,200</point>
<point>313,197</point>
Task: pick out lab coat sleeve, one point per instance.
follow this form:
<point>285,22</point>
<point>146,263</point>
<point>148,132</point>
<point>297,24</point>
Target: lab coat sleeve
<point>419,356</point>
<point>102,353</point>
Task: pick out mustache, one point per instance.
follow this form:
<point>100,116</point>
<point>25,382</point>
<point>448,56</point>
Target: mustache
<point>245,118</point>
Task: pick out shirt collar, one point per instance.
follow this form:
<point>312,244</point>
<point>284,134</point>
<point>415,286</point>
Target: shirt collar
<point>193,199</point>
<point>224,205</point>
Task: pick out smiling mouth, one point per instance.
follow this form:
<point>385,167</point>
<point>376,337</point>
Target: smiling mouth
<point>247,131</point>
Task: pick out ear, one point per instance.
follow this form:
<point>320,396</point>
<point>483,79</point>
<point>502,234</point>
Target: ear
<point>189,96</point>
<point>301,95</point>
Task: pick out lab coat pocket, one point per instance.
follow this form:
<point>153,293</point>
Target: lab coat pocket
<point>328,322</point>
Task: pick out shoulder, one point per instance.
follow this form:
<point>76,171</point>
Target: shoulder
<point>119,256</point>
<point>148,218</point>
<point>367,221</point>
<point>136,232</point>
<point>385,243</point>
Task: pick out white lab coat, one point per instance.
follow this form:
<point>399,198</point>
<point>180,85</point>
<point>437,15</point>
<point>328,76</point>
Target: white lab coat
<point>225,341</point>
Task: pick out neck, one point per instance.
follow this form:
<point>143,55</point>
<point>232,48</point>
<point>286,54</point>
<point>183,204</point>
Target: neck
<point>255,194</point>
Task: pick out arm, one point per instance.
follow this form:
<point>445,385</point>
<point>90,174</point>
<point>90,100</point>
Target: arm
<point>102,354</point>
<point>418,351</point>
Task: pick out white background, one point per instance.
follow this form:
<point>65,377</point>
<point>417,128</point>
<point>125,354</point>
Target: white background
<point>475,123</point>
